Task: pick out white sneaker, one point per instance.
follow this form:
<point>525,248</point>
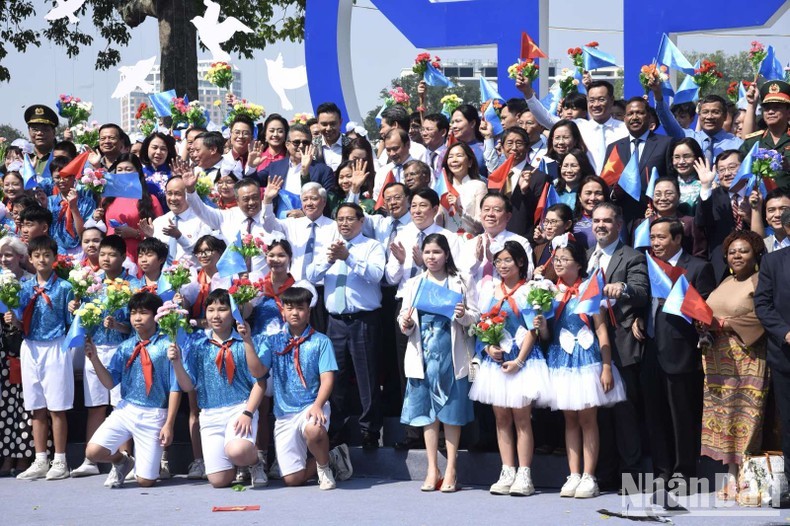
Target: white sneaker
<point>112,479</point>
<point>274,470</point>
<point>242,475</point>
<point>164,470</point>
<point>122,469</point>
<point>506,479</point>
<point>37,470</point>
<point>325,478</point>
<point>523,486</point>
<point>197,469</point>
<point>587,488</point>
<point>258,474</point>
<point>340,462</point>
<point>569,488</point>
<point>86,469</point>
<point>58,471</point>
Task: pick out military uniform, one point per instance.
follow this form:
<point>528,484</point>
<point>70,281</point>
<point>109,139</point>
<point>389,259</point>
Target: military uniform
<point>40,114</point>
<point>773,91</point>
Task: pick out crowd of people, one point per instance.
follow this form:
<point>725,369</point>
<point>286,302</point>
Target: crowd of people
<point>424,276</point>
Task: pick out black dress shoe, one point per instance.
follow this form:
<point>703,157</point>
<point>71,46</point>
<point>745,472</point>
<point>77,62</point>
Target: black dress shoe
<point>409,443</point>
<point>369,442</point>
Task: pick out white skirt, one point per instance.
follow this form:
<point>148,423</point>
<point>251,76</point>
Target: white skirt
<point>577,389</point>
<point>529,385</point>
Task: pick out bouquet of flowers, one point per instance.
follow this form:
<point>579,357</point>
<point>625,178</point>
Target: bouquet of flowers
<point>450,103</point>
<point>733,90</point>
<point>91,315</point>
<point>74,109</point>
<point>118,295</point>
<point>63,265</point>
<point>9,289</point>
<point>706,76</point>
<point>196,114</point>
<point>251,246</point>
<point>523,68</point>
<point>220,74</point>
<point>3,148</point>
<point>650,72</point>
<point>243,290</point>
<point>497,106</point>
<point>541,295</point>
<point>568,83</point>
<point>766,163</point>
<point>93,180</point>
<point>178,274</point>
<point>421,63</point>
<point>491,328</point>
<point>242,107</point>
<point>84,282</point>
<point>398,96</point>
<point>301,118</point>
<point>178,111</point>
<point>171,317</point>
<point>757,54</point>
<point>576,54</point>
<point>4,231</point>
<point>87,134</point>
<point>146,119</point>
<point>204,184</point>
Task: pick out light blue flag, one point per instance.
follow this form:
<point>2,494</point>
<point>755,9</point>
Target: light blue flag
<point>434,77</point>
<point>487,91</point>
<point>675,298</point>
<point>688,91</point>
<point>161,102</point>
<point>756,183</point>
<point>29,176</point>
<point>528,315</point>
<point>670,56</point>
<point>549,168</point>
<point>234,310</point>
<point>552,100</point>
<point>378,115</point>
<point>17,311</point>
<point>76,335</point>
<point>651,184</point>
<point>492,118</point>
<point>642,234</point>
<point>745,169</point>
<point>660,284</point>
<point>163,288</point>
<point>771,68</point>
<point>436,299</point>
<point>287,201</point>
<point>580,86</point>
<point>631,180</point>
<point>595,58</point>
<point>590,294</point>
<point>122,185</point>
<point>667,88</point>
<point>741,90</point>
<point>231,262</point>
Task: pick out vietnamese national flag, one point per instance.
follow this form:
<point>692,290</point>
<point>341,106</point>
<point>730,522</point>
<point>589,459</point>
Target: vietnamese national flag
<point>498,178</point>
<point>591,297</point>
<point>695,306</point>
<point>613,168</point>
<point>548,198</point>
<point>529,49</point>
<point>444,188</point>
<point>387,180</point>
<point>76,166</point>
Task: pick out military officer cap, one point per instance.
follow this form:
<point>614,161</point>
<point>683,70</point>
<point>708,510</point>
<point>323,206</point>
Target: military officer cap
<point>775,91</point>
<point>40,114</point>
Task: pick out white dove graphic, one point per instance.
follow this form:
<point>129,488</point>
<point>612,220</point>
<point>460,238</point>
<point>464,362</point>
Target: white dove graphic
<point>282,78</point>
<point>213,33</point>
<point>65,8</point>
<point>133,77</point>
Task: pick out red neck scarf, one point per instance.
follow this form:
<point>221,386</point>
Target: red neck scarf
<point>65,216</point>
<point>222,205</point>
<point>507,296</point>
<point>293,345</point>
<point>571,292</point>
<point>86,262</point>
<point>27,315</point>
<point>225,355</point>
<point>205,287</point>
<point>268,289</point>
<point>145,362</point>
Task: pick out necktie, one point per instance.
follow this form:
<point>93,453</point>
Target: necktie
<point>736,213</point>
<point>27,315</point>
<point>708,146</point>
<point>65,216</point>
<point>397,171</point>
<point>205,287</point>
<point>293,345</point>
<point>340,285</point>
<point>393,233</point>
<point>434,155</point>
<point>488,267</point>
<point>416,268</point>
<point>602,146</point>
<point>636,142</point>
<point>145,362</point>
<point>248,261</point>
<point>172,244</point>
<point>224,355</point>
<point>309,248</point>
<point>596,261</point>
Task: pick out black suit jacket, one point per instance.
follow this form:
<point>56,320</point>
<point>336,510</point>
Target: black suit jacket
<point>630,267</point>
<point>319,173</point>
<point>675,338</point>
<point>654,154</point>
<point>714,216</point>
<point>522,222</point>
<point>772,304</point>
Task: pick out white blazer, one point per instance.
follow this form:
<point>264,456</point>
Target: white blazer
<point>463,344</point>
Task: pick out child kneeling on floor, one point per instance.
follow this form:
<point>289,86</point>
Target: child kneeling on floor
<point>149,401</point>
<point>302,364</point>
<point>214,363</point>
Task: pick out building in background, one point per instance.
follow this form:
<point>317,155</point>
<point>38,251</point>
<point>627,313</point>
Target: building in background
<point>207,94</point>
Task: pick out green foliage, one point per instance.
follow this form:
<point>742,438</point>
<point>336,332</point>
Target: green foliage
<point>10,133</point>
<point>469,93</point>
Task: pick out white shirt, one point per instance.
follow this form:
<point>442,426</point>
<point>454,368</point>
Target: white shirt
<point>191,227</point>
<point>293,180</point>
<point>606,256</point>
<point>333,155</point>
<point>230,161</point>
<point>476,268</point>
<point>436,164</point>
<point>398,273</point>
<point>416,151</point>
<point>365,265</point>
<point>381,176</point>
<point>379,227</point>
<point>297,231</point>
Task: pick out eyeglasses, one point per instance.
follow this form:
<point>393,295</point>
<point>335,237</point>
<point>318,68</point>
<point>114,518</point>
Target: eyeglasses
<point>552,222</point>
<point>503,261</point>
<point>241,134</point>
<point>562,261</point>
<point>515,144</point>
<point>730,169</point>
<point>205,253</point>
<point>299,144</point>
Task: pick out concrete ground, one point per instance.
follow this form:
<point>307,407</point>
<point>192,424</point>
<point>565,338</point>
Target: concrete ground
<point>359,501</point>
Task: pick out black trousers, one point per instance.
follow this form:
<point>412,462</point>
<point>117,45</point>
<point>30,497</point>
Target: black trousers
<point>318,314</point>
<point>781,384</point>
<point>356,340</point>
<point>673,410</point>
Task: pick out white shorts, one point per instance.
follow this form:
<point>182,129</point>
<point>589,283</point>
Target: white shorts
<point>96,395</point>
<point>143,424</point>
<point>216,431</point>
<point>290,443</point>
<point>47,375</point>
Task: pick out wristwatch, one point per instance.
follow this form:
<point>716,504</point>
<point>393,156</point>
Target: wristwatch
<point>247,413</point>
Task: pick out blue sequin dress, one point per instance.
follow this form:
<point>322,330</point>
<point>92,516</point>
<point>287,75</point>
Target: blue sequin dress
<point>266,317</point>
<point>439,395</point>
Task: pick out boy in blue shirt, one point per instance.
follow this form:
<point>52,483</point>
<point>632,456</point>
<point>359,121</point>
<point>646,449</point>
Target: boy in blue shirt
<point>214,363</point>
<point>149,400</point>
<point>47,371</point>
<point>302,364</point>
<point>151,257</point>
<point>34,221</point>
<point>69,208</point>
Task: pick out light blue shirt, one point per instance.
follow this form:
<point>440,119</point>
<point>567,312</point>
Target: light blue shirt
<point>57,231</point>
<point>721,140</point>
<point>131,378</point>
<point>49,322</point>
<point>379,227</point>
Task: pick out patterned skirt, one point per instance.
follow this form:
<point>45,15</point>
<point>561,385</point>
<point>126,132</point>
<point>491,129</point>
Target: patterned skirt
<point>736,384</point>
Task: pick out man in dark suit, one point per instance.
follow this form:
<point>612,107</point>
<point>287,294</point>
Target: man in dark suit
<point>627,284</point>
<point>772,305</point>
<point>672,376</point>
<point>299,168</point>
<point>651,150</point>
<point>715,211</point>
<point>525,199</point>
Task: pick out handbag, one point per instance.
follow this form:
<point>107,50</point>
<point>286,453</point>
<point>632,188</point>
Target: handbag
<point>761,479</point>
<point>14,370</point>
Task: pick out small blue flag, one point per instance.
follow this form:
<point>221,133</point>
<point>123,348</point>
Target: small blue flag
<point>234,310</point>
<point>549,168</point>
<point>231,262</point>
<point>122,185</point>
<point>590,294</point>
<point>688,91</point>
<point>595,58</point>
<point>163,288</point>
<point>487,91</point>
<point>660,284</point>
<point>378,115</point>
<point>670,56</point>
<point>434,77</point>
<point>76,335</point>
<point>492,118</point>
<point>651,184</point>
<point>577,74</point>
<point>642,234</point>
<point>675,298</point>
<point>528,315</point>
<point>771,68</point>
<point>287,201</point>
<point>436,299</point>
<point>745,169</point>
<point>552,100</point>
<point>631,180</point>
<point>161,102</point>
<point>29,176</point>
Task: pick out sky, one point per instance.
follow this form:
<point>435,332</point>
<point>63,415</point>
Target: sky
<point>571,23</point>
